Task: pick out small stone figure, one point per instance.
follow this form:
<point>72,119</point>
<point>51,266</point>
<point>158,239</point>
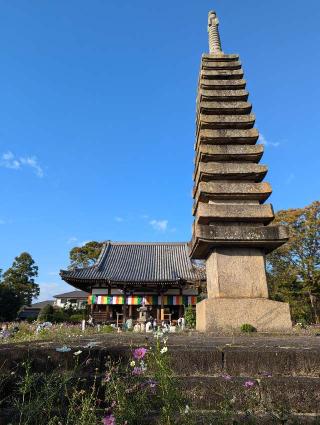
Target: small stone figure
<point>149,327</point>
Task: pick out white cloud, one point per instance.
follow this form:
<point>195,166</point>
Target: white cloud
<point>119,219</point>
<point>49,289</point>
<point>160,225</point>
<point>266,142</point>
<point>9,160</point>
<point>72,239</point>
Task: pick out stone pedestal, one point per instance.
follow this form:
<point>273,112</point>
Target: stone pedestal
<point>223,314</point>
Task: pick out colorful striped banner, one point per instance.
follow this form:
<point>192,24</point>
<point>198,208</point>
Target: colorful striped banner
<point>168,300</point>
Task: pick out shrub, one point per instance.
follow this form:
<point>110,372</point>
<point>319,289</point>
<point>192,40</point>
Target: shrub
<point>46,314</point>
<point>246,327</point>
<point>190,317</point>
<point>76,318</point>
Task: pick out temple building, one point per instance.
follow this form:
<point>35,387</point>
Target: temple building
<point>127,275</point>
<point>232,229</point>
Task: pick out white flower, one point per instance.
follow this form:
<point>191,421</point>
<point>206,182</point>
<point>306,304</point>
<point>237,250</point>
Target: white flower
<point>164,350</point>
<point>133,363</point>
<point>186,410</point>
<point>77,353</point>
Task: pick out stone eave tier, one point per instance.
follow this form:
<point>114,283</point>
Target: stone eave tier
<point>224,108</point>
<point>206,238</point>
<point>205,95</point>
<point>204,121</point>
<point>230,191</point>
<point>234,212</point>
<point>236,171</point>
<point>220,65</point>
<point>229,153</point>
<point>221,57</point>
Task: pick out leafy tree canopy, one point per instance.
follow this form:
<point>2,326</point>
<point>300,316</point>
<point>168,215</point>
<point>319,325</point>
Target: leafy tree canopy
<point>20,279</point>
<point>294,268</point>
<point>86,255</point>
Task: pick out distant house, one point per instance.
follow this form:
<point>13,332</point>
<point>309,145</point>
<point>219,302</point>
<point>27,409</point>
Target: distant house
<point>74,299</point>
<point>33,311</point>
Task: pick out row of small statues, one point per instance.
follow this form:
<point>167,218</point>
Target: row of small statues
<point>153,325</point>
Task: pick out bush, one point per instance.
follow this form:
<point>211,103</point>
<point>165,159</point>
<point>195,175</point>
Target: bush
<point>246,327</point>
<point>76,318</point>
<point>50,314</point>
<point>190,317</point>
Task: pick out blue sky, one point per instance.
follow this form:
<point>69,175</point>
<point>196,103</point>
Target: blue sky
<point>97,111</point>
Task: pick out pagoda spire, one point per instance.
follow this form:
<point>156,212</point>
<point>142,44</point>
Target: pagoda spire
<point>213,31</point>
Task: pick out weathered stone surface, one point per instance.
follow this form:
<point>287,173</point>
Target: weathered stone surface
<point>207,238</point>
<point>222,84</point>
<point>236,153</point>
<point>208,171</point>
<point>214,190</point>
<point>214,314</point>
<point>273,361</point>
<point>223,57</point>
<point>209,64</point>
<point>224,95</point>
<point>236,273</point>
<point>222,74</point>
<point>207,213</point>
<point>232,108</point>
<point>227,136</point>
<point>225,121</point>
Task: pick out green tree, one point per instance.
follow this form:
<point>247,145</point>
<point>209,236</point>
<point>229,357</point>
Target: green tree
<point>86,255</point>
<point>20,279</point>
<point>294,268</point>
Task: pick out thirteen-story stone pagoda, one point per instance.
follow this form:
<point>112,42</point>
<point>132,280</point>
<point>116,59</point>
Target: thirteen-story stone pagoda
<point>232,229</point>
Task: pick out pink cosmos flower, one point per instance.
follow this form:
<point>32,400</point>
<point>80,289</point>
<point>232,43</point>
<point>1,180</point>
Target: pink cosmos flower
<point>139,353</point>
<point>249,384</point>
<point>226,377</point>
<point>109,420</point>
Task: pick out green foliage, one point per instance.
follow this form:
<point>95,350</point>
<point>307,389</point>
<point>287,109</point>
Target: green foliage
<point>246,327</point>
<point>86,255</point>
<point>294,268</point>
<point>190,316</point>
<point>51,314</point>
<point>76,318</point>
<point>19,278</point>
<point>10,303</point>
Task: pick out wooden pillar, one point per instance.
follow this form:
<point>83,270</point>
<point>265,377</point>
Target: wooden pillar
<point>130,311</point>
<point>162,307</point>
<point>181,308</point>
<point>124,307</point>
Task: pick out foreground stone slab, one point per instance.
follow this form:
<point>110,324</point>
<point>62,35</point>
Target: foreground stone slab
<point>215,314</point>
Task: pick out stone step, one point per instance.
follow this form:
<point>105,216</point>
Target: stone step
<point>207,238</point>
<point>224,108</point>
<point>241,153</point>
<point>222,74</point>
<point>219,58</point>
<point>222,84</point>
<point>225,121</point>
<point>208,171</point>
<point>247,213</point>
<point>242,191</point>
<point>226,136</point>
<point>209,64</point>
<point>223,95</point>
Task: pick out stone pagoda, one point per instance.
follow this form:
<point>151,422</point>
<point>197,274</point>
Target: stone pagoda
<point>232,229</point>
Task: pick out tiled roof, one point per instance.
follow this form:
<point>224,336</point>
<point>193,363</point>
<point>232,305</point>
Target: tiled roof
<point>128,262</point>
<point>72,294</point>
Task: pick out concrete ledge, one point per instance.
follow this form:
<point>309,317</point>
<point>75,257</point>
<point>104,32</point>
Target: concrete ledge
<point>214,314</point>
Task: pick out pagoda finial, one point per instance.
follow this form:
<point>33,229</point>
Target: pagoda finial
<point>213,30</point>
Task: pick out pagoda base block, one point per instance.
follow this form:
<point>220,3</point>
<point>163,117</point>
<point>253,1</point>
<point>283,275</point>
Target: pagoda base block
<point>227,314</point>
